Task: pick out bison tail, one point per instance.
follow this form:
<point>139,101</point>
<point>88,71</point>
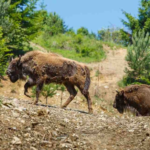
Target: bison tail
<point>87,80</point>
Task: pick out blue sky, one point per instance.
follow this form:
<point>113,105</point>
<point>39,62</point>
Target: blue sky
<point>92,14</point>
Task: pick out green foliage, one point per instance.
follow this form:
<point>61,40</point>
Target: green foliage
<point>78,39</point>
<point>138,56</point>
<point>77,47</point>
<point>83,31</point>
<point>127,80</point>
<point>47,90</point>
<point>61,88</point>
<point>4,17</point>
<point>111,35</point>
<point>54,25</point>
<point>135,24</point>
<point>3,54</point>
<point>20,23</point>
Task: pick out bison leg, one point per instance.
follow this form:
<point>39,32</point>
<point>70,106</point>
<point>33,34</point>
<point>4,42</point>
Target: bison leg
<point>28,84</point>
<point>38,90</point>
<point>87,96</point>
<point>73,93</point>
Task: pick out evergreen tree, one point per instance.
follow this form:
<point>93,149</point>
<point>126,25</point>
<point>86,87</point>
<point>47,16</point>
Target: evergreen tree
<point>4,17</point>
<point>54,25</point>
<point>83,31</point>
<point>138,56</point>
<point>135,24</point>
<point>24,22</point>
<point>3,54</point>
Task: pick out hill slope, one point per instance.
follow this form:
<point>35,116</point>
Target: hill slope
<point>25,126</point>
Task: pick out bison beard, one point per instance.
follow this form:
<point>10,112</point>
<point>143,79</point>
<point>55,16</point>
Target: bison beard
<point>134,98</point>
<point>45,68</point>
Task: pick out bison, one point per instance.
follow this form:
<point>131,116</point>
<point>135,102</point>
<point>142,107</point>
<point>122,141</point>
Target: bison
<point>135,98</point>
<point>41,68</point>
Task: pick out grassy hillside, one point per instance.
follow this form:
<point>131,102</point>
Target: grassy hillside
<point>74,46</point>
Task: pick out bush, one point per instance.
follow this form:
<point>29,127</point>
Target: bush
<point>77,47</point>
<point>47,91</point>
<point>138,56</point>
<point>3,55</point>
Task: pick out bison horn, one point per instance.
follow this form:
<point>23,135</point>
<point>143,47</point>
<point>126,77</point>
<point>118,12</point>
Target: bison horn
<point>117,91</point>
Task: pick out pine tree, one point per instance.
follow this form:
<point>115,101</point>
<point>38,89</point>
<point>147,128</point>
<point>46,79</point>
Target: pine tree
<point>4,54</point>
<point>84,31</point>
<point>135,24</point>
<point>54,25</point>
<point>26,23</point>
<point>4,17</point>
<point>138,56</point>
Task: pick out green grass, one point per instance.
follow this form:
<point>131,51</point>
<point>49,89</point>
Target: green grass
<point>75,56</point>
<point>76,47</point>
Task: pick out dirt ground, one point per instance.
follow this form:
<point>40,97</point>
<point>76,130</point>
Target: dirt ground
<point>24,126</point>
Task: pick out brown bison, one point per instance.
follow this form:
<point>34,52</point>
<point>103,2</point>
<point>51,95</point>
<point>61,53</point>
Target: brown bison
<point>45,68</point>
<point>135,98</point>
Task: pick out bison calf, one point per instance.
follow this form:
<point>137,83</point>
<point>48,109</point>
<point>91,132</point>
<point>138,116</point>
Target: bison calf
<point>135,98</point>
<point>45,68</point>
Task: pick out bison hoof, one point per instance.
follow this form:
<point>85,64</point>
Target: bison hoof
<point>91,111</point>
<point>27,95</point>
<point>63,107</point>
<point>34,103</point>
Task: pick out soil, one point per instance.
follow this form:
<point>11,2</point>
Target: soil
<point>24,126</point>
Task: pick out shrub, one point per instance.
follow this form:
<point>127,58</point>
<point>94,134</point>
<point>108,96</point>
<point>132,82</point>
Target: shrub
<point>47,91</point>
<point>3,55</point>
<point>138,56</point>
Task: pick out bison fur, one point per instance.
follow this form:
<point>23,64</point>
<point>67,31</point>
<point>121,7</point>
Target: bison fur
<point>135,98</point>
<point>45,68</point>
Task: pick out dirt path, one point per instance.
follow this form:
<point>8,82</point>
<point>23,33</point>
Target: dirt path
<point>112,68</point>
<point>111,72</point>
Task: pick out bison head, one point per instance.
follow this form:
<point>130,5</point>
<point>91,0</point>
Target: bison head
<point>14,69</point>
<point>120,102</point>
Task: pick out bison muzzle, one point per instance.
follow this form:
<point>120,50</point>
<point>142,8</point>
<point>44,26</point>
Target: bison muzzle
<point>45,68</point>
<point>135,98</point>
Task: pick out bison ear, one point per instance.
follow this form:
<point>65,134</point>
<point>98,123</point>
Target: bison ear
<point>120,93</point>
<point>19,61</point>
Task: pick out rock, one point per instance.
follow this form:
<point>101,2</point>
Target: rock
<point>15,114</point>
<point>16,141</point>
<point>27,135</point>
<point>33,148</point>
<point>66,120</point>
<point>65,145</point>
<point>74,137</point>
